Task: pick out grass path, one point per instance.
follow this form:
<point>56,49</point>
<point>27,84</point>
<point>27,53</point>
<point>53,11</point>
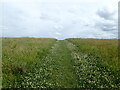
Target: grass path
<point>55,69</point>
<point>59,66</point>
<point>64,66</point>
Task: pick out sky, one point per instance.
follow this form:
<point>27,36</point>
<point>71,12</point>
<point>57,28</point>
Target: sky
<point>59,19</point>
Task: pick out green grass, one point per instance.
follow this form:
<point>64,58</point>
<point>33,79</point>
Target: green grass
<point>106,49</point>
<point>51,63</point>
<point>19,55</point>
<point>55,71</point>
<point>98,63</point>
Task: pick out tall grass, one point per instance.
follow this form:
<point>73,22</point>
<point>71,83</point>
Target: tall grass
<point>36,62</point>
<point>105,49</point>
<point>19,54</point>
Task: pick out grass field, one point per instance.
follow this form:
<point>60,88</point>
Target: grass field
<point>51,63</point>
<point>106,49</point>
<point>19,56</point>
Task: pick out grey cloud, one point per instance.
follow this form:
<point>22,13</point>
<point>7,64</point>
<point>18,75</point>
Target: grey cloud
<point>106,14</point>
<point>109,23</point>
<point>111,29</point>
<point>106,26</point>
<point>58,20</point>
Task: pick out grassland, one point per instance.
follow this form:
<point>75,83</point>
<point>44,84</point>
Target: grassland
<point>51,63</point>
<point>98,62</point>
<point>106,49</point>
<point>20,55</point>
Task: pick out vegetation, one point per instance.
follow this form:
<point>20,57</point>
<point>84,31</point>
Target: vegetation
<point>51,63</point>
<point>106,49</point>
<point>98,63</point>
<point>19,55</point>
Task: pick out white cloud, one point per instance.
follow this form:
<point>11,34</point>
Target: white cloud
<point>57,33</point>
<point>60,19</point>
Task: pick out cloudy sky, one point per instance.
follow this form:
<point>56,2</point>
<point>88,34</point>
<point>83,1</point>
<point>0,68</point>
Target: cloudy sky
<point>59,18</point>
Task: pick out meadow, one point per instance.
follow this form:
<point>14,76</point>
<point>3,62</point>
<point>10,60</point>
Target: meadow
<point>51,63</point>
<point>106,49</point>
<point>105,56</point>
<point>19,55</point>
